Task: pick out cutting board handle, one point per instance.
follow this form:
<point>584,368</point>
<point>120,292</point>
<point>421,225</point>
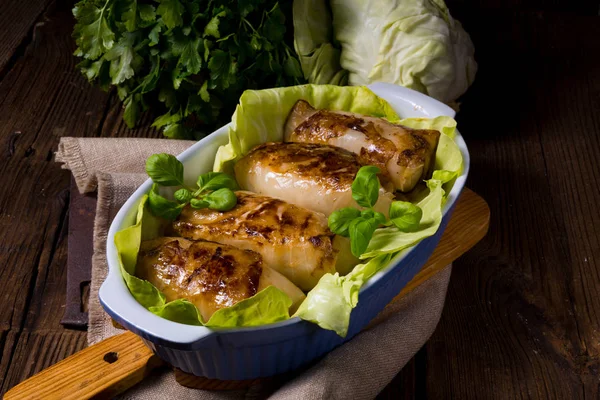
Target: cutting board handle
<point>101,371</point>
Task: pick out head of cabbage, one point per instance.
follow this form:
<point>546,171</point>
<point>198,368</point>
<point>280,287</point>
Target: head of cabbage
<point>413,43</point>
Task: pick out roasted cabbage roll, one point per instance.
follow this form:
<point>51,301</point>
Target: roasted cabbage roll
<point>291,239</point>
<point>210,275</point>
<point>406,156</point>
<point>315,176</point>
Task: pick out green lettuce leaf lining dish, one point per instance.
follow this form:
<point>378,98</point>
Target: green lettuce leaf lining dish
<point>330,303</point>
<point>267,306</point>
<point>260,117</point>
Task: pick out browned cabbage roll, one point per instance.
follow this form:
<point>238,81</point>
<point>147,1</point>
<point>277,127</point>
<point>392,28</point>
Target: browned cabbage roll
<point>210,275</point>
<point>406,156</point>
<point>291,239</point>
<point>315,176</point>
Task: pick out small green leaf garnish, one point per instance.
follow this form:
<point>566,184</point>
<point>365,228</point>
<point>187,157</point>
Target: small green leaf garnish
<point>360,225</point>
<point>369,213</point>
<point>163,207</point>
<point>183,195</point>
<point>214,191</point>
<point>221,199</point>
<point>198,204</point>
<point>365,188</point>
<point>165,169</point>
<point>361,231</point>
<point>216,180</point>
<point>339,221</point>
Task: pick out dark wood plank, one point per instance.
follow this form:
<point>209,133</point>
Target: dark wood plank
<point>17,19</point>
<point>497,33</point>
<point>37,350</point>
<point>570,140</point>
<point>519,319</point>
<point>42,98</point>
<point>521,313</point>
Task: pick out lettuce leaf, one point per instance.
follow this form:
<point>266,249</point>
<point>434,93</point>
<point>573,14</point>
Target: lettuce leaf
<point>267,306</point>
<point>179,310</point>
<point>260,116</point>
<point>330,303</point>
<point>128,243</point>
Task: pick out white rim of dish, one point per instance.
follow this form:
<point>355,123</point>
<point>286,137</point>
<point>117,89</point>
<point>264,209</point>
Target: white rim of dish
<point>115,295</point>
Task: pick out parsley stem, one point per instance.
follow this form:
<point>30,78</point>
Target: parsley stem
<point>250,25</point>
<point>102,16</point>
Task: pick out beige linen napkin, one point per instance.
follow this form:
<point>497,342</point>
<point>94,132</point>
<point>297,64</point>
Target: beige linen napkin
<point>360,369</point>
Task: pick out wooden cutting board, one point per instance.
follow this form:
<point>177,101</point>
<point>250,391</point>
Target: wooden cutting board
<point>118,363</point>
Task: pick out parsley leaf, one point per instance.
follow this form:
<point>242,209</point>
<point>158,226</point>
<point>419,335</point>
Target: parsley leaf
<point>132,110</point>
<point>212,28</point>
<point>171,12</point>
<point>187,61</point>
<point>147,12</point>
<point>190,57</point>
<point>93,34</point>
<point>130,16</point>
<point>121,57</point>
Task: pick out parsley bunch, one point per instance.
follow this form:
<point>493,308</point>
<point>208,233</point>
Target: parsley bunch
<point>189,59</point>
<point>214,191</point>
<point>360,225</point>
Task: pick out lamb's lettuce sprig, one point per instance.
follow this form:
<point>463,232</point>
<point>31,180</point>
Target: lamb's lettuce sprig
<point>214,189</point>
<point>360,225</point>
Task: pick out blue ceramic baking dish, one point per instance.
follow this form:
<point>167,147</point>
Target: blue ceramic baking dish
<point>247,353</point>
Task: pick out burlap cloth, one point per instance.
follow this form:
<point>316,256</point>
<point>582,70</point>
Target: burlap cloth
<point>360,369</point>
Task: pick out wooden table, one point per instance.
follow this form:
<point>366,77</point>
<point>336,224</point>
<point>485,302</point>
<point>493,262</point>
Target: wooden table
<point>522,317</point>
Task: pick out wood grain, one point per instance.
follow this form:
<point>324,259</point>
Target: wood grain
<point>42,98</point>
<point>17,19</point>
<point>101,371</point>
<point>521,309</point>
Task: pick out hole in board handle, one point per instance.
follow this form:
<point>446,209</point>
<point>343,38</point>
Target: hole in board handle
<point>111,357</point>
